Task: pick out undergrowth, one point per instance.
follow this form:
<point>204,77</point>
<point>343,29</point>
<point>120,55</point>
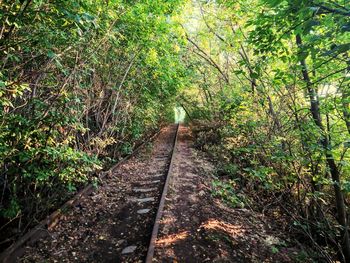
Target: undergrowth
<point>240,181</point>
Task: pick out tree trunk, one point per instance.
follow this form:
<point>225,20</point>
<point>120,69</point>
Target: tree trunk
<point>334,171</point>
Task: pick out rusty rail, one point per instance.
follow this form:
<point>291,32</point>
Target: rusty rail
<point>152,245</point>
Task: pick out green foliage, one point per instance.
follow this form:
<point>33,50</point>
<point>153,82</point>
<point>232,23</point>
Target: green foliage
<point>265,82</point>
<point>12,211</point>
<point>228,170</point>
<point>81,83</point>
<point>264,176</point>
<point>271,92</point>
<point>226,191</point>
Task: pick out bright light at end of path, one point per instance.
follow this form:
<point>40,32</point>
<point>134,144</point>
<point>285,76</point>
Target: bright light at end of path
<point>180,114</point>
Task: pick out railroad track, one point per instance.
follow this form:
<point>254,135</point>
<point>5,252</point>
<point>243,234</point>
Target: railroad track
<point>155,230</point>
<point>127,231</point>
<point>152,192</point>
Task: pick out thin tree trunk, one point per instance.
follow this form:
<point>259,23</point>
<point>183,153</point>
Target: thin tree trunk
<point>187,112</point>
<point>334,171</point>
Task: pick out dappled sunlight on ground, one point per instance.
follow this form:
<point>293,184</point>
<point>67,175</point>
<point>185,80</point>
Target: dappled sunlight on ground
<point>168,220</point>
<point>232,230</point>
<point>171,239</point>
<point>196,227</point>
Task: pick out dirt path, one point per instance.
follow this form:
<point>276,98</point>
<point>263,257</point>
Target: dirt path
<point>113,224</point>
<point>197,228</point>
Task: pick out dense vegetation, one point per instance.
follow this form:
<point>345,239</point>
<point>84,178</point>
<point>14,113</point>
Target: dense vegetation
<point>265,82</point>
<point>81,83</point>
<point>273,86</point>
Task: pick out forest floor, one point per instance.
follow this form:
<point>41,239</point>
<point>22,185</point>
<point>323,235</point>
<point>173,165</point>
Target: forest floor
<point>115,222</point>
<point>109,226</point>
<point>196,227</point>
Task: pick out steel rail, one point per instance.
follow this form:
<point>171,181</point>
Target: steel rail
<point>152,244</point>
